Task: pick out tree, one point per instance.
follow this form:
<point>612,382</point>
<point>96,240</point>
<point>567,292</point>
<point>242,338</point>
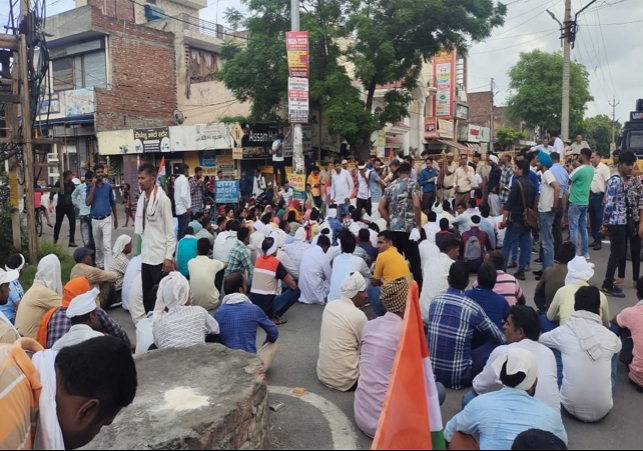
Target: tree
<point>509,136</point>
<point>537,83</point>
<point>386,41</point>
<point>597,131</point>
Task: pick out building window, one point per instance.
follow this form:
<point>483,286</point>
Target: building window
<point>80,71</point>
<point>203,65</point>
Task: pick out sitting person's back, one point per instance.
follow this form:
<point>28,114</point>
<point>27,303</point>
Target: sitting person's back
<point>380,339</point>
<point>494,420</point>
<point>182,324</point>
<point>203,271</point>
<point>341,333</point>
<point>239,318</point>
<point>553,278</point>
<point>587,349</point>
<point>186,251</point>
<point>494,305</point>
<point>630,321</point>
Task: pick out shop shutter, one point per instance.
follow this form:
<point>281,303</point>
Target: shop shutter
<point>63,74</point>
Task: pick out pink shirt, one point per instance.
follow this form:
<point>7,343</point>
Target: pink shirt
<point>632,318</point>
<point>507,286</point>
<point>380,338</point>
<point>37,200</point>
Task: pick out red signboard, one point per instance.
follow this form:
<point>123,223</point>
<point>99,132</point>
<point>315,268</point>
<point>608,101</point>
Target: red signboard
<point>297,47</point>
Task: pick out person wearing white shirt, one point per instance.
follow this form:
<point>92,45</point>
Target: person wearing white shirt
<point>589,353</point>
<point>347,263</point>
<point>258,184</point>
<point>203,272</point>
<point>602,174</point>
<point>286,193</point>
<point>154,224</point>
<point>315,273</point>
<point>364,190</point>
<point>522,329</point>
<point>559,145</point>
<point>182,199</point>
<point>225,241</point>
<point>578,145</point>
<point>342,189</point>
<point>465,175</point>
<point>432,227</point>
<point>545,147</point>
<point>436,273</point>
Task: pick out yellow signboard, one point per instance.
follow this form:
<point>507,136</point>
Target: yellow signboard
<point>297,181</point>
<point>237,153</point>
<point>14,190</point>
<point>237,134</point>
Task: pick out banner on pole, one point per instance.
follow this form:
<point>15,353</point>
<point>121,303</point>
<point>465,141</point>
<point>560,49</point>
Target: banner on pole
<point>298,109</point>
<point>297,48</point>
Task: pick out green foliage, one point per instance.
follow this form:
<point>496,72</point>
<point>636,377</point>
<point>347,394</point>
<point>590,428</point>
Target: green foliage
<point>509,136</point>
<point>537,82</point>
<point>46,247</point>
<point>385,41</point>
<point>597,131</point>
<point>6,235</point>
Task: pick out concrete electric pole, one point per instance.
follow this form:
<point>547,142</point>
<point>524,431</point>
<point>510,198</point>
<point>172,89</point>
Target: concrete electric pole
<point>569,29</point>
<point>298,165</point>
<point>492,131</point>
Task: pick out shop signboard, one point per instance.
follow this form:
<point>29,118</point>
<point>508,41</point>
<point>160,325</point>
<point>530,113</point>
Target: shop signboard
<point>444,74</point>
<point>297,48</point>
<point>207,159</point>
<point>226,191</point>
<point>473,134</point>
<point>226,164</point>
<point>49,104</point>
<point>445,129</point>
<point>430,128</point>
<point>485,134</point>
<point>257,140</point>
<point>186,138</point>
<point>461,111</point>
<point>298,183</point>
<point>152,140</point>
<point>298,108</point>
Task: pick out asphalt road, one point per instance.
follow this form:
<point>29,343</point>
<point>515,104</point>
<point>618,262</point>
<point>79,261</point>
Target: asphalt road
<point>323,418</point>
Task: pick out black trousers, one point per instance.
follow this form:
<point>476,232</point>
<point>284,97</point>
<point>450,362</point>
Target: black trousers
<point>618,248</point>
<point>363,204</point>
<point>557,229</point>
<point>411,251</point>
<point>635,250</point>
<point>428,199</point>
<point>281,167</point>
<point>151,276</point>
<point>61,212</point>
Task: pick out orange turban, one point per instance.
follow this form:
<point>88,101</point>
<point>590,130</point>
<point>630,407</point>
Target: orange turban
<point>74,287</point>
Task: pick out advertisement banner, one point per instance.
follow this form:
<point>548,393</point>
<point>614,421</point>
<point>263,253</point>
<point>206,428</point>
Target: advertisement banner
<point>298,100</point>
<point>257,140</point>
<point>152,140</point>
<point>79,102</point>
<point>185,138</point>
<point>298,183</point>
<point>297,48</point>
<point>49,104</point>
<point>446,129</point>
<point>226,191</point>
<point>430,128</point>
<point>207,159</point>
<point>227,165</point>
<point>444,74</point>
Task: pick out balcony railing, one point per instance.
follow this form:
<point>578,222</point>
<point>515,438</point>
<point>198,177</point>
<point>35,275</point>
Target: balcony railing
<point>211,29</point>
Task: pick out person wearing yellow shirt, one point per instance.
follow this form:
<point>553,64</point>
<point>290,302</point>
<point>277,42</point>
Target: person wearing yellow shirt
<point>315,186</point>
<point>390,266</point>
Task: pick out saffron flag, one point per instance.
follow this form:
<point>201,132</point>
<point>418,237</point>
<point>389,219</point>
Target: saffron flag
<point>391,156</point>
<point>410,420</point>
<point>161,177</point>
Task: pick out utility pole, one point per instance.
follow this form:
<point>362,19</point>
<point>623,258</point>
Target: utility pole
<point>298,165</point>
<point>614,104</point>
<point>492,132</point>
<point>569,30</point>
<point>569,26</point>
<point>27,149</point>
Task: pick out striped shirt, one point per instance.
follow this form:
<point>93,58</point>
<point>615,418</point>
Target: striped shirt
<point>507,286</point>
<point>183,326</point>
<point>19,395</point>
<point>453,318</point>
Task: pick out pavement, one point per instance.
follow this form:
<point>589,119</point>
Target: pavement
<point>323,418</point>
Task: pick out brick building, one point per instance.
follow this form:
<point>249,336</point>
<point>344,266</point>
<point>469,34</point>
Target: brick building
<point>480,112</point>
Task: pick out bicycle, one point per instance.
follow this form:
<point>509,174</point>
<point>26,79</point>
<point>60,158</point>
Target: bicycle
<point>39,222</point>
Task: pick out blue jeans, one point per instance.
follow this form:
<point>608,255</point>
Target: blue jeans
<point>343,211</point>
<point>467,398</point>
<point>285,300</point>
<point>184,220</point>
<point>546,223</point>
<point>578,224</point>
<point>596,215</point>
<point>517,233</point>
<point>374,299</point>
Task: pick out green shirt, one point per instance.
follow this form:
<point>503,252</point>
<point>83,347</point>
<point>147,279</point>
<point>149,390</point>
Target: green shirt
<point>581,182</point>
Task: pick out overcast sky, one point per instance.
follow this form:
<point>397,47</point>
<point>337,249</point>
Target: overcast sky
<point>607,45</point>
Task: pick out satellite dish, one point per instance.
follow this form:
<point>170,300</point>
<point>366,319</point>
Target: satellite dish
<point>178,117</point>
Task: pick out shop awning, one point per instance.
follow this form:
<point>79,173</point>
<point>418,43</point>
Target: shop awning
<point>84,119</point>
<point>450,143</point>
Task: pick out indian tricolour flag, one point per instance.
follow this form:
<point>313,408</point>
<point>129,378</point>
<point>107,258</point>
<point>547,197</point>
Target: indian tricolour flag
<point>409,420</point>
<point>161,178</point>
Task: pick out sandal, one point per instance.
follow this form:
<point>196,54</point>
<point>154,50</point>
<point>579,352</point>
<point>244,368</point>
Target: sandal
<point>278,321</point>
